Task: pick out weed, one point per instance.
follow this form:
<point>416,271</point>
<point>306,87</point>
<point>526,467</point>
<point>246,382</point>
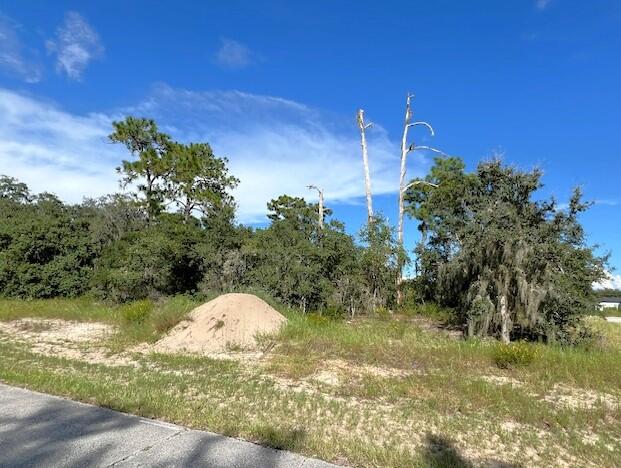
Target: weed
<point>281,438</point>
<point>83,309</point>
<point>233,347</point>
<point>434,311</point>
<point>171,311</point>
<point>36,327</point>
<point>137,313</point>
<point>404,396</point>
<point>518,354</point>
<point>318,320</point>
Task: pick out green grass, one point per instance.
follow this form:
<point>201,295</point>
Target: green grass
<point>135,322</point>
<point>83,309</point>
<point>398,393</point>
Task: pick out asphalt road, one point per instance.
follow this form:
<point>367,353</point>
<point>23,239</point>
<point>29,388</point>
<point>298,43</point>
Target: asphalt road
<point>45,431</point>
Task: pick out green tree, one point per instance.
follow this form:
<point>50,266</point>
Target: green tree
<point>514,266</point>
<point>198,179</point>
<point>151,165</point>
<point>45,246</point>
<point>380,260</point>
<point>163,258</point>
<point>293,259</point>
<point>14,190</point>
<point>113,216</point>
<point>225,266</point>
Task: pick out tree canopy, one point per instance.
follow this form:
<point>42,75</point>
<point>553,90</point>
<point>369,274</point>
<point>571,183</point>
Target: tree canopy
<point>512,264</point>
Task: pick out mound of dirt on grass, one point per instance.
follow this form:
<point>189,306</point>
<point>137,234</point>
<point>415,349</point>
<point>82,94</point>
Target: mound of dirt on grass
<point>229,321</point>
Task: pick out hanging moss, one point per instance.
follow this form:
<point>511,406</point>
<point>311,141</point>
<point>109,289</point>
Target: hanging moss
<point>491,247</point>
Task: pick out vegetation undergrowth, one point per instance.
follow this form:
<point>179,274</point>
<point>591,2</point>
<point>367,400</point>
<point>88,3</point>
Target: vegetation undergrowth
<point>508,355</point>
<point>368,392</point>
<point>135,322</point>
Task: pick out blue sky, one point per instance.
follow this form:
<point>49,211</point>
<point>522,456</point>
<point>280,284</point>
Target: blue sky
<point>275,87</point>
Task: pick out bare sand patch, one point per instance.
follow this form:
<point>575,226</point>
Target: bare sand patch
<point>56,330</point>
<point>565,396</point>
<point>63,338</point>
<point>229,321</point>
<point>502,380</point>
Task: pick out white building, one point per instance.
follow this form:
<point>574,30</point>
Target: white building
<point>609,303</point>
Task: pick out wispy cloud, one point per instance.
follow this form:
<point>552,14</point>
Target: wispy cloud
<point>234,54</point>
<point>607,202</point>
<point>611,282</point>
<point>15,58</point>
<point>274,146</point>
<point>75,44</point>
<point>277,146</point>
<point>52,150</point>
<point>542,4</point>
<point>600,202</point>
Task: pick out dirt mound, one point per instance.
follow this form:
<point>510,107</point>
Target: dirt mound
<point>231,320</point>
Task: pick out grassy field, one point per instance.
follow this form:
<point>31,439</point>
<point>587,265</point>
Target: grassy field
<point>396,392</point>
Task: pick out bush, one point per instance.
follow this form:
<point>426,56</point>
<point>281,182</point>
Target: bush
<point>318,320</point>
<point>515,354</point>
<point>170,312</point>
<point>383,313</point>
<point>137,312</point>
<point>160,260</point>
<point>45,249</point>
<point>432,310</point>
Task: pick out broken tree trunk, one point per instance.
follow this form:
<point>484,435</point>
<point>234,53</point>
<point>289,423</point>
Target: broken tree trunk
<point>365,162</point>
<point>321,211</point>
<point>405,150</point>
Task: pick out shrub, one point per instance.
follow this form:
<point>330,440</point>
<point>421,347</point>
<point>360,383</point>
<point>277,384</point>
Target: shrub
<point>171,311</point>
<point>137,312</point>
<point>383,313</point>
<point>515,354</point>
<point>318,320</point>
<point>432,310</point>
<point>160,260</point>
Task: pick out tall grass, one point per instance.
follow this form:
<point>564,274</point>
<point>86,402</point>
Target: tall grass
<point>83,309</point>
<point>396,378</point>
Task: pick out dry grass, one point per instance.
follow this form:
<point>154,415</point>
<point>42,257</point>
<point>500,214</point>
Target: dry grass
<point>368,393</point>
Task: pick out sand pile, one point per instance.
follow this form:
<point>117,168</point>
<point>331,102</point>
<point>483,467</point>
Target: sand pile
<point>231,320</point>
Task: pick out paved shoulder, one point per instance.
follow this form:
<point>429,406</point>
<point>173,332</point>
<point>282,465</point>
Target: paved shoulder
<point>42,430</point>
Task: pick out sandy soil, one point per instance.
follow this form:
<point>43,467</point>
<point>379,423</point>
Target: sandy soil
<point>55,337</point>
<point>229,321</point>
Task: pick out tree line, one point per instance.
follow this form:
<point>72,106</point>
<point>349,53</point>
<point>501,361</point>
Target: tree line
<point>509,265</point>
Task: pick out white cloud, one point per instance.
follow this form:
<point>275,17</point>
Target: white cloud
<point>611,282</point>
<point>274,146</point>
<point>56,151</point>
<point>606,202</point>
<point>542,4</point>
<point>278,146</point>
<point>76,43</point>
<point>233,54</point>
<point>15,58</point>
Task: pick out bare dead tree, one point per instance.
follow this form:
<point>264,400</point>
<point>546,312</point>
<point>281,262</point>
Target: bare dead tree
<point>320,192</point>
<point>405,150</point>
<point>365,162</point>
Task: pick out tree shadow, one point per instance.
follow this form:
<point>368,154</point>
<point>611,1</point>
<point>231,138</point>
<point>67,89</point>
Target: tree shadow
<point>47,431</point>
<point>441,452</point>
<point>281,438</point>
<point>59,434</point>
<point>270,454</point>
